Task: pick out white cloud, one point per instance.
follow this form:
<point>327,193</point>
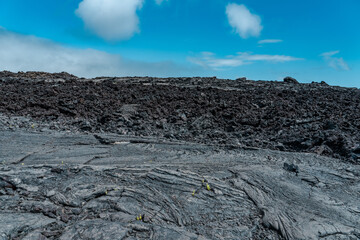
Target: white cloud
<point>208,59</point>
<point>329,54</point>
<point>29,53</point>
<point>335,62</point>
<point>111,19</point>
<point>243,21</point>
<point>270,41</point>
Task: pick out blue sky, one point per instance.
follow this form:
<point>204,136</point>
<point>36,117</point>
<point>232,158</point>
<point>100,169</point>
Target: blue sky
<point>258,39</point>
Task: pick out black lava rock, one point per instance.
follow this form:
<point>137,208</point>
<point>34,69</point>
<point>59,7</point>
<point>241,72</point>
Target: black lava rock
<point>291,167</point>
<point>290,80</point>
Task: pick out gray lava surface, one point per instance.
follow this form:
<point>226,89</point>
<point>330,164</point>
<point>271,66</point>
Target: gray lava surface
<point>187,158</point>
<point>80,186</point>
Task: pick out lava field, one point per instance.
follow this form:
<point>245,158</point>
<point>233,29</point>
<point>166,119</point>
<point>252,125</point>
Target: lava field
<point>285,116</point>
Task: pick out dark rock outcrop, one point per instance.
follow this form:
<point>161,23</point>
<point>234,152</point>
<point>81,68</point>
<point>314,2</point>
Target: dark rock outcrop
<point>290,80</point>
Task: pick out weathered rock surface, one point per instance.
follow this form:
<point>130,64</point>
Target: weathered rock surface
<point>74,186</point>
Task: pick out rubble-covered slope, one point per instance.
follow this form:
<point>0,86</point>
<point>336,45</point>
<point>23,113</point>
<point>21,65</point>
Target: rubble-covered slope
<point>314,118</point>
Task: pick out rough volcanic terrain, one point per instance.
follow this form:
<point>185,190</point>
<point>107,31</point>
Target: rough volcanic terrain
<point>177,158</point>
<point>284,116</point>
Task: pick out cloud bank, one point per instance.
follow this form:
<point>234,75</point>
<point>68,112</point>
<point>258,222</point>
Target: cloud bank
<point>209,60</point>
<point>335,62</point>
<point>243,21</point>
<point>111,19</point>
<point>29,53</point>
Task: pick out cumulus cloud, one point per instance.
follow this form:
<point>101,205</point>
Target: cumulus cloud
<point>111,19</point>
<point>270,41</point>
<point>245,23</point>
<point>29,53</point>
<point>336,63</point>
<point>209,60</point>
